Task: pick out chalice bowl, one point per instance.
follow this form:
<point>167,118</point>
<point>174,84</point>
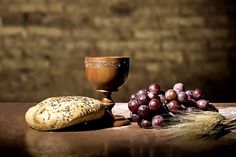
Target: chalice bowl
<point>107,74</point>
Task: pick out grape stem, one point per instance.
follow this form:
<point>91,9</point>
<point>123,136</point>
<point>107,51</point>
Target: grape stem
<point>183,106</point>
<point>171,114</point>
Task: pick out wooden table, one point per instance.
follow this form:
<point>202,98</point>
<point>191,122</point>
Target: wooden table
<point>17,139</point>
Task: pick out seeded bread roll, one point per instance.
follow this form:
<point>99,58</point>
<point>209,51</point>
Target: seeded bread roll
<point>60,112</point>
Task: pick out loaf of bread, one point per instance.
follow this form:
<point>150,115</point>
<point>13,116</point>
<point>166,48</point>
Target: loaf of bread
<point>60,112</point>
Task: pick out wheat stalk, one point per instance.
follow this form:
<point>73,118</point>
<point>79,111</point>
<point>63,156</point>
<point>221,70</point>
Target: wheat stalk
<point>199,124</point>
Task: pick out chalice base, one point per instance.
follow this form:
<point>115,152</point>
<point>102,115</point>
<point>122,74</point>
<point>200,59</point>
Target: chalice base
<point>116,120</point>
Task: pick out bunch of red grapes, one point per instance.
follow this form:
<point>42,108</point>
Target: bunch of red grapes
<point>150,106</point>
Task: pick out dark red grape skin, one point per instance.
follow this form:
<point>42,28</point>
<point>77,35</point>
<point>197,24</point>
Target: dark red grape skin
<point>154,105</point>
<point>182,97</point>
<point>157,121</point>
<point>135,117</point>
<point>141,92</point>
<point>133,106</point>
<point>133,96</point>
<point>170,94</point>
<point>152,95</point>
<point>202,104</point>
<point>197,94</point>
<point>178,87</point>
<point>146,124</point>
<point>154,87</point>
<point>173,105</point>
<point>143,111</point>
<point>143,100</point>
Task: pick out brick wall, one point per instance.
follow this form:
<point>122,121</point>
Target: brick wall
<point>43,44</point>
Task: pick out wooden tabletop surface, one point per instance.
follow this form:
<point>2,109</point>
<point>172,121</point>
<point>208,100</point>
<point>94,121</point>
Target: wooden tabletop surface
<point>17,139</point>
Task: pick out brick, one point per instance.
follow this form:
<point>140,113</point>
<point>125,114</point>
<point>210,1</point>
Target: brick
<point>3,8</point>
<point>194,58</point>
<point>156,34</point>
<point>205,34</point>
<point>216,21</point>
<point>45,31</point>
<point>156,10</point>
<point>12,31</point>
<point>12,19</point>
<point>132,45</point>
<point>192,21</point>
<point>92,34</point>
<point>183,45</point>
<point>37,7</point>
<point>222,44</point>
<point>28,7</point>
<point>153,67</point>
<point>164,56</point>
<point>109,22</point>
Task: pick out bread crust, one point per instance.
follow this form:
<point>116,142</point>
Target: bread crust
<point>60,112</point>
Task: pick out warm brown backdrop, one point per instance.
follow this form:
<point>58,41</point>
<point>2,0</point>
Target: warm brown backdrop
<point>43,44</point>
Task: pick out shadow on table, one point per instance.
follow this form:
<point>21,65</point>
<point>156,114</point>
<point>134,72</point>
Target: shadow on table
<point>107,121</point>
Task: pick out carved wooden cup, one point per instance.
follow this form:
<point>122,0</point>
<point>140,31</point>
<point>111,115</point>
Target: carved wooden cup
<point>107,74</point>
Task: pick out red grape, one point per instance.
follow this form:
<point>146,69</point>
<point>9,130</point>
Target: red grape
<point>133,106</point>
<point>143,100</point>
<point>152,95</point>
<point>135,117</point>
<point>173,105</point>
<point>154,87</point>
<point>143,111</point>
<point>146,124</point>
<point>197,94</point>
<point>170,94</point>
<point>182,97</point>
<point>141,92</point>
<point>157,121</point>
<point>178,87</point>
<point>133,96</point>
<point>154,105</point>
<point>202,104</point>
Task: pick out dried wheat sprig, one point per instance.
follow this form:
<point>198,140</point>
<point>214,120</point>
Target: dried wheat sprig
<point>199,124</point>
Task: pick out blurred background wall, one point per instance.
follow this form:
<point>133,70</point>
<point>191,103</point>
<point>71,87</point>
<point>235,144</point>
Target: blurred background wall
<point>43,44</point>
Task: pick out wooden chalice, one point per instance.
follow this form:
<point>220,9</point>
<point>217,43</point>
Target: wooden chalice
<point>107,74</point>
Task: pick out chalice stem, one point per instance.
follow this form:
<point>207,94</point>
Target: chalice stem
<point>117,120</point>
<point>107,100</point>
